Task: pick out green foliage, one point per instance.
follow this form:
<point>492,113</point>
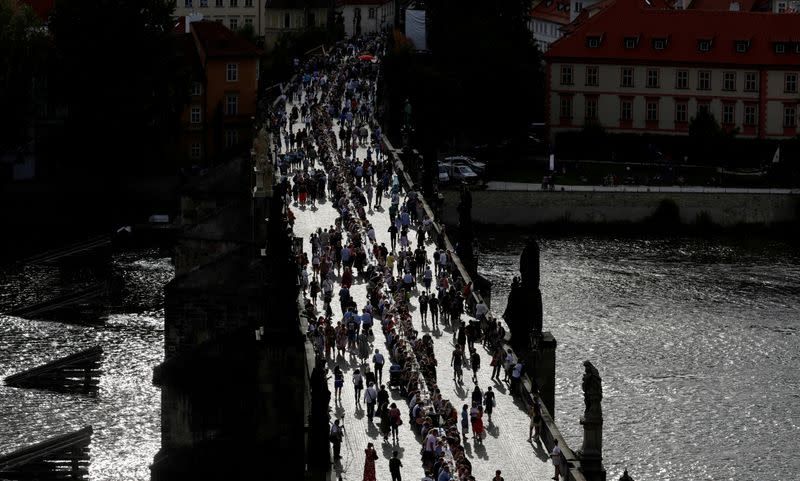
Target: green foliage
<point>23,52</point>
<point>484,63</point>
<point>709,143</point>
<point>278,66</point>
<point>126,84</point>
<point>667,215</point>
<point>248,32</point>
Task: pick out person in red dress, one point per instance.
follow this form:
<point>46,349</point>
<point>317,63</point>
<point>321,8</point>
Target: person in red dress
<point>369,463</point>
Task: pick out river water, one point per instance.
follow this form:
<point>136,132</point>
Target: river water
<point>697,343</point>
<point>125,414</point>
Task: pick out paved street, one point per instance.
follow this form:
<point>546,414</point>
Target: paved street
<point>506,446</point>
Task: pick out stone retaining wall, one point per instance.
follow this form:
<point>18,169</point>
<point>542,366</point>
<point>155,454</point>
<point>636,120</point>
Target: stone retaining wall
<point>527,208</point>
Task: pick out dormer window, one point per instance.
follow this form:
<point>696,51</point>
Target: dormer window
<point>704,45</point>
<point>742,46</point>
<point>659,43</point>
<point>593,42</point>
<point>780,48</point>
<point>630,42</point>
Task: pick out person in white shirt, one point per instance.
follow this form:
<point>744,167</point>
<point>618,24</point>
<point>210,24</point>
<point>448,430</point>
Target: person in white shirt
<point>480,310</point>
<point>556,456</point>
<point>370,397</point>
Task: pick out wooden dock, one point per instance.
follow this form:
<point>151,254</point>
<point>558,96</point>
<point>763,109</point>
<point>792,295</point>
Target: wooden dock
<point>77,372</point>
<point>64,300</point>
<point>58,458</point>
<point>82,248</point>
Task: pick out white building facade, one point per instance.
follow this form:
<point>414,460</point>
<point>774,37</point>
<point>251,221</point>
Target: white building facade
<point>366,17</point>
<point>234,14</point>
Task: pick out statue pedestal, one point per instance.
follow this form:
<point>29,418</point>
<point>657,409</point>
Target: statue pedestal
<point>591,454</point>
<point>544,370</point>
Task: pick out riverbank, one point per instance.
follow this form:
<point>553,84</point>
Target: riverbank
<point>600,211</point>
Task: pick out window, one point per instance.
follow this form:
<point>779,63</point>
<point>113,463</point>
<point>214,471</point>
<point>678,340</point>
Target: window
<point>729,81</point>
<point>659,43</point>
<point>195,150</point>
<point>231,104</point>
<point>566,75</point>
<point>187,3</point>
<point>750,82</point>
<point>371,13</point>
<point>728,111</point>
<point>681,112</point>
<point>592,76</point>
<point>565,110</point>
<point>204,3</point>
<point>780,48</point>
<point>248,3</point>
<point>591,108</point>
<point>233,22</point>
<point>627,77</point>
<point>592,42</point>
<point>197,88</point>
<point>578,7</point>
<point>231,138</point>
<point>234,3</point>
<point>704,45</point>
<point>781,7</point>
<point>287,21</point>
<point>652,78</point>
<point>703,106</point>
<point>625,110</point>
<point>219,19</point>
<point>630,42</point>
<point>742,46</point>
<point>682,79</point>
<point>248,21</point>
<point>652,111</point>
<point>218,3</point>
<point>789,116</point>
<point>232,72</point>
<point>790,83</point>
<point>704,80</point>
<point>750,114</point>
<point>195,116</point>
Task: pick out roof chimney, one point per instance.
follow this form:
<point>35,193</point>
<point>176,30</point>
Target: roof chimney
<point>734,7</point>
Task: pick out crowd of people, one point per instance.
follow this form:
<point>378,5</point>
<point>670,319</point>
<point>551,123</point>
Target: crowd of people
<point>337,93</point>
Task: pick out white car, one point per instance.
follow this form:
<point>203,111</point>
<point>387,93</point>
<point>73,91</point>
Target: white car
<point>444,177</point>
<point>460,173</point>
<point>477,167</point>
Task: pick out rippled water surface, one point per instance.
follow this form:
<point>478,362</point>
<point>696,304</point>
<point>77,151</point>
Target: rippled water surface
<point>697,343</point>
<point>129,326</point>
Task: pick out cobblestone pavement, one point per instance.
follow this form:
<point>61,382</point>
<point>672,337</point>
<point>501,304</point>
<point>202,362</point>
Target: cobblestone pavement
<point>506,447</point>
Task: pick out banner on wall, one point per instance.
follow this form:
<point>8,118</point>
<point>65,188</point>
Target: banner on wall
<point>415,28</point>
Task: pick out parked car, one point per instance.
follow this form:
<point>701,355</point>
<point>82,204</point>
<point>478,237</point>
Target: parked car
<point>460,173</point>
<point>476,166</point>
<point>444,177</point>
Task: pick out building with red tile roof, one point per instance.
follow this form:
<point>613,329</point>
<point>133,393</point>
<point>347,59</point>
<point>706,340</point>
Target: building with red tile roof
<point>635,69</point>
<point>224,68</point>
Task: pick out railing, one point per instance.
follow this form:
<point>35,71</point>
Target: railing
<point>533,187</point>
<point>550,430</point>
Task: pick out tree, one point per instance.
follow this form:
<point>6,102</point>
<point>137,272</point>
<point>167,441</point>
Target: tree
<point>709,143</point>
<point>23,57</point>
<point>125,87</point>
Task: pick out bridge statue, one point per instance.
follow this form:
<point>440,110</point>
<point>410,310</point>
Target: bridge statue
<point>591,453</point>
<point>523,313</point>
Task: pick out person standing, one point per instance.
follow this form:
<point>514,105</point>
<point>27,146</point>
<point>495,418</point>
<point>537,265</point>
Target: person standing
<point>338,382</point>
<point>464,420</point>
<point>394,466</point>
<point>456,360</point>
<point>557,456</point>
<point>488,401</point>
<point>378,361</point>
<point>475,364</point>
<point>516,377</point>
<point>497,476</point>
<point>535,413</point>
<point>369,463</point>
<point>433,306</point>
<point>497,363</point>
<point>370,397</point>
<point>423,306</point>
<point>358,385</point>
<point>383,414</point>
<point>395,420</point>
<point>335,438</point>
